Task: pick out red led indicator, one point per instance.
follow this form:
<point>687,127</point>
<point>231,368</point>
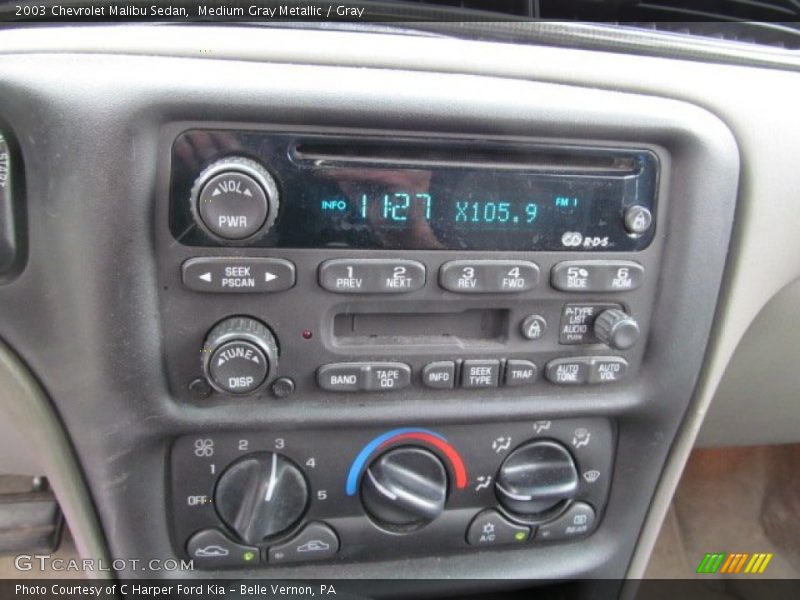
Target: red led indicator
<point>307,334</point>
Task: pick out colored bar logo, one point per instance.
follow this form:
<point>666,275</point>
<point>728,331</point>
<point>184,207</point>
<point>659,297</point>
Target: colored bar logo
<point>736,562</point>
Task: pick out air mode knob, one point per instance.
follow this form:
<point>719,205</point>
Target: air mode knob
<point>238,355</point>
<point>537,478</point>
<point>235,199</point>
<point>616,329</point>
<point>261,495</point>
<point>405,488</point>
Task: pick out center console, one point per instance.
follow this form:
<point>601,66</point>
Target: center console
<point>323,321</point>
<point>347,268</point>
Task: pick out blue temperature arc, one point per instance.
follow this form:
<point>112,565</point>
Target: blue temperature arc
<point>361,459</point>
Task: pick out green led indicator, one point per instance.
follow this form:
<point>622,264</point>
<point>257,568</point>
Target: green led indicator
<point>249,556</point>
<point>520,536</point>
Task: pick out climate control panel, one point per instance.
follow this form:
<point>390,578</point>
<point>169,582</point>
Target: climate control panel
<point>299,496</point>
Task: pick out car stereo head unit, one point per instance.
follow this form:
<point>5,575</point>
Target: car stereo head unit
<point>307,191</point>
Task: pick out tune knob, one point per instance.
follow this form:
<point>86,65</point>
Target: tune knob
<point>405,488</point>
<point>238,355</point>
<point>616,329</point>
<point>537,478</point>
<point>235,199</point>
<point>261,495</point>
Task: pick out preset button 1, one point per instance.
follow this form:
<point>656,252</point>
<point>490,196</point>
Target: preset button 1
<point>371,276</point>
<point>488,276</point>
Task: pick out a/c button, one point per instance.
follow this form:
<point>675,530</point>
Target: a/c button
<point>490,528</point>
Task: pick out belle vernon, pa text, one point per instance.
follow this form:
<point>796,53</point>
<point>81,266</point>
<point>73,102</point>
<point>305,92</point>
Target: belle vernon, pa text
<point>167,591</point>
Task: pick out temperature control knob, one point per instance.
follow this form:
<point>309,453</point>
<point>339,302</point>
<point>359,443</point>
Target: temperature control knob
<point>234,199</point>
<point>238,355</point>
<point>536,478</point>
<point>260,495</point>
<point>405,488</point>
<point>616,329</point>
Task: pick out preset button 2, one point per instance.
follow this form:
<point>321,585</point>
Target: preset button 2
<point>371,276</point>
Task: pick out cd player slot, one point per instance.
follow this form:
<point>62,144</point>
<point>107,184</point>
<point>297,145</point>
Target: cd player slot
<point>329,153</point>
<point>466,328</point>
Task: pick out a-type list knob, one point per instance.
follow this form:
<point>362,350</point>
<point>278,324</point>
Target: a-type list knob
<point>616,329</point>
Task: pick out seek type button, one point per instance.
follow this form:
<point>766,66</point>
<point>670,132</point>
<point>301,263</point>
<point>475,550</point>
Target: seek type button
<point>480,373</point>
<point>371,276</point>
<point>488,276</point>
<point>238,275</point>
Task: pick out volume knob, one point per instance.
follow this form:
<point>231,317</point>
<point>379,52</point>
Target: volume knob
<point>238,355</point>
<point>616,329</point>
<point>234,199</point>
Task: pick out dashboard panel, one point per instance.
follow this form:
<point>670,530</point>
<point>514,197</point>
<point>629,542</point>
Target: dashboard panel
<point>342,364</point>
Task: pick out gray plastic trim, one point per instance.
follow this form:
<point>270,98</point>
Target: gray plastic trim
<point>25,407</point>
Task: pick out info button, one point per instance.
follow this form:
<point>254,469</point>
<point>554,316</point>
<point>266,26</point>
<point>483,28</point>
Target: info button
<point>231,275</point>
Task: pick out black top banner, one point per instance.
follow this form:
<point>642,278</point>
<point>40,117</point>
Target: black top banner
<point>781,13</point>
